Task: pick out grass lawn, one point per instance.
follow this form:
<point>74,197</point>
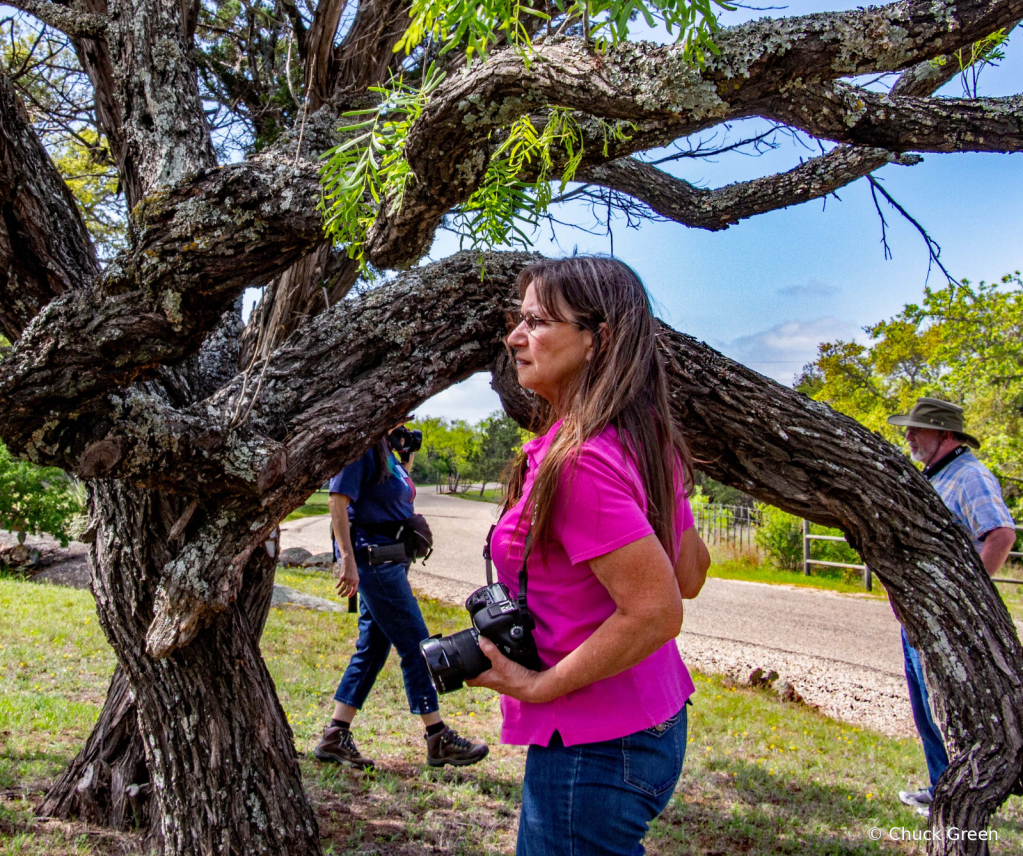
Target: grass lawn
<point>729,567</point>
<point>490,494</point>
<point>315,505</point>
<point>761,776</point>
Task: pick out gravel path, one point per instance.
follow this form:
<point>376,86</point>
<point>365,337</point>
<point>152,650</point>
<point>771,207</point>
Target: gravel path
<point>841,653</point>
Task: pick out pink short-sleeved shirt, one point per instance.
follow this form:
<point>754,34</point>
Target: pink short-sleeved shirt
<point>601,506</point>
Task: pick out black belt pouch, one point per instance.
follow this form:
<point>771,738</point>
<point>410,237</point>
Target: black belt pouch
<point>381,554</point>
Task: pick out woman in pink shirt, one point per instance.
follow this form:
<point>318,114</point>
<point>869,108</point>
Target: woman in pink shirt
<point>602,495</point>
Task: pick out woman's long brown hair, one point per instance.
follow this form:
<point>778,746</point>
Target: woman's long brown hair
<point>624,384</point>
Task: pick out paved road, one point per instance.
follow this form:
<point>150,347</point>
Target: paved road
<point>841,652</point>
<point>859,630</point>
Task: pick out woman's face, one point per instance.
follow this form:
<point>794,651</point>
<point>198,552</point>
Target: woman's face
<point>549,357</point>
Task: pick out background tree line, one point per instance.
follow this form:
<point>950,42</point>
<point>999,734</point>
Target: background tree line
<point>962,343</point>
<point>459,454</point>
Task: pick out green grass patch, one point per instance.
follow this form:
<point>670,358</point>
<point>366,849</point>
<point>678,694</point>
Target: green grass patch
<point>491,494</point>
<point>761,776</point>
<point>314,506</point>
<point>729,568</point>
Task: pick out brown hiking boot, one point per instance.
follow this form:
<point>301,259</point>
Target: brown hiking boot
<point>447,747</point>
<point>338,746</point>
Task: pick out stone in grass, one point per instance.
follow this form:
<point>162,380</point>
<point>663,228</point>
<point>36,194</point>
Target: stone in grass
<point>294,556</point>
<point>320,560</point>
<point>788,692</point>
<point>758,678</point>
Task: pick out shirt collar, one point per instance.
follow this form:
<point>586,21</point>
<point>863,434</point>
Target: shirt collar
<point>931,471</point>
<point>536,448</point>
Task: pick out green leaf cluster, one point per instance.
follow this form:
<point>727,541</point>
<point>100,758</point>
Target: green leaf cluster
<point>369,169</point>
<point>490,217</point>
<point>37,499</point>
<point>780,536</point>
<point>962,343</point>
<point>474,27</point>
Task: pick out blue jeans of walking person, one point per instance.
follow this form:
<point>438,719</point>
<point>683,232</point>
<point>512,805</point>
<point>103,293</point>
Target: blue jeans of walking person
<point>389,615</point>
<point>597,799</point>
<point>930,736</point>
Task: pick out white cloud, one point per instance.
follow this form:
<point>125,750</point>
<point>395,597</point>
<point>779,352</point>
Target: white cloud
<point>783,350</point>
<point>813,289</point>
<point>472,400</point>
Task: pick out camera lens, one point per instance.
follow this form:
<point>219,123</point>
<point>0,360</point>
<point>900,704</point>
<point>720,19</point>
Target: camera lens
<point>450,660</point>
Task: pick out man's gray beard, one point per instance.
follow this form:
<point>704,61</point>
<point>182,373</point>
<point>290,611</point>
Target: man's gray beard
<point>921,455</point>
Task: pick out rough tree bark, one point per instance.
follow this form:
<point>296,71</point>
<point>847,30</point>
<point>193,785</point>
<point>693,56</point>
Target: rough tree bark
<point>132,376</point>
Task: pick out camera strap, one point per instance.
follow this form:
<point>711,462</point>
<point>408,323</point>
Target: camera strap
<point>523,576</point>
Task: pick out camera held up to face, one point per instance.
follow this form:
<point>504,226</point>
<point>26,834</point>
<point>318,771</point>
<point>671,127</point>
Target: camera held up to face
<point>404,441</point>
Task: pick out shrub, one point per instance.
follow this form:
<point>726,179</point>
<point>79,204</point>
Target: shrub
<point>37,499</point>
<point>780,536</point>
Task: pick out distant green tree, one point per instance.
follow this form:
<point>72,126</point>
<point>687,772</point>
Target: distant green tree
<point>964,344</point>
<point>445,451</point>
<point>497,440</point>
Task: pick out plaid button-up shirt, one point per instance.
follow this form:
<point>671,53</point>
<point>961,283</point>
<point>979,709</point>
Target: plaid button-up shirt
<point>974,497</point>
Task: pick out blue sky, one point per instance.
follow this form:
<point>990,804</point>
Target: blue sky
<point>768,290</point>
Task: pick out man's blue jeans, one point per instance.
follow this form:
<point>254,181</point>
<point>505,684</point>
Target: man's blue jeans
<point>597,799</point>
<point>389,615</point>
<point>934,745</point>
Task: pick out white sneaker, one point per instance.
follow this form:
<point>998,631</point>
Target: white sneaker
<point>917,799</point>
<point>924,811</point>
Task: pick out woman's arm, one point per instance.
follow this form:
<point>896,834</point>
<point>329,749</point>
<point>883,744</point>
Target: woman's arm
<point>348,582</point>
<point>693,561</point>
<point>640,579</point>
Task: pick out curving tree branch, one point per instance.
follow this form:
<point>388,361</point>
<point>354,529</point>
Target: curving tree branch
<point>652,87</point>
<point>45,250</point>
<point>849,114</point>
<point>201,245</point>
<point>68,18</point>
<point>683,202</point>
<point>430,327</point>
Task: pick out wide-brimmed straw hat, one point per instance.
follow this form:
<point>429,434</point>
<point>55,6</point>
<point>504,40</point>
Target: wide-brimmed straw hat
<point>937,415</point>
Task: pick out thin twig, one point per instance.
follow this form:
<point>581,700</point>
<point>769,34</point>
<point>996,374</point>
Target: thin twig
<point>287,73</point>
<point>301,131</point>
<point>933,248</point>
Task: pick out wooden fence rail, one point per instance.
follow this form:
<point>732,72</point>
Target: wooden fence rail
<point>868,580</point>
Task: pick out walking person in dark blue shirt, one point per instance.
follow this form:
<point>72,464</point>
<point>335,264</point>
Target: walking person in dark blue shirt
<point>370,507</point>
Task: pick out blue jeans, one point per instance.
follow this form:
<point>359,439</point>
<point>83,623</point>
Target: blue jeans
<point>934,745</point>
<point>597,799</point>
<point>389,615</point>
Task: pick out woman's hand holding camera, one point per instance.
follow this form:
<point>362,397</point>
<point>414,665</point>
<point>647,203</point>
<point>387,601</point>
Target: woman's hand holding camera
<point>348,581</point>
<point>512,679</point>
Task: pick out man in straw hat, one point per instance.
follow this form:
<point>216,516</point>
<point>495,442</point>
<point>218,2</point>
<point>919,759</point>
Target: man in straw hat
<point>934,431</point>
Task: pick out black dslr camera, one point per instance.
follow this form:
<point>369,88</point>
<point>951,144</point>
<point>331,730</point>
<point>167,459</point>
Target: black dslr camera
<point>404,442</point>
<point>453,659</point>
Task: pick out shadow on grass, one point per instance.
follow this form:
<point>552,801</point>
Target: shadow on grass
<point>30,770</point>
<point>412,810</point>
<point>742,809</point>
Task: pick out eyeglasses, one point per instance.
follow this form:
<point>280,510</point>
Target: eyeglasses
<point>531,321</point>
